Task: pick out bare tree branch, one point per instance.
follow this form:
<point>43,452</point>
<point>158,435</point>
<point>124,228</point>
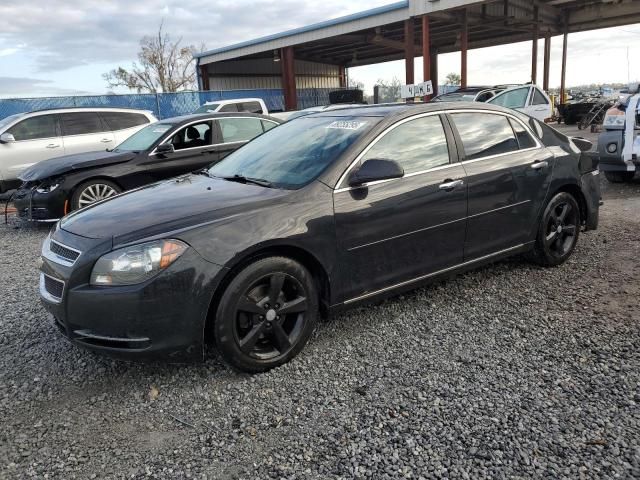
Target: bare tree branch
<point>163,66</point>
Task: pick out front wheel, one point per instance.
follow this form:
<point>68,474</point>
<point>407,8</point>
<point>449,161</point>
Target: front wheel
<point>619,177</point>
<point>558,231</point>
<point>93,191</point>
<point>266,314</point>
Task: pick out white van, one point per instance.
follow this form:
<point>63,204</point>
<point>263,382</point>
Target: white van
<point>252,105</point>
<point>29,138</point>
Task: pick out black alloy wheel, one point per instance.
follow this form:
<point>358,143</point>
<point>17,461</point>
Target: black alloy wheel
<point>558,231</point>
<point>266,314</point>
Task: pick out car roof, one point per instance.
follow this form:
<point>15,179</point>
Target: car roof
<point>89,109</point>
<point>399,109</point>
<point>233,100</point>
<point>206,116</point>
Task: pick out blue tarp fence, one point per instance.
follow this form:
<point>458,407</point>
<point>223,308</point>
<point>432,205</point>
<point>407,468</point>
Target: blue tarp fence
<point>163,105</point>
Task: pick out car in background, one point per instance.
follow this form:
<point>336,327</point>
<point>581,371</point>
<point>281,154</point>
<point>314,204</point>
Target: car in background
<point>251,105</point>
<point>171,147</point>
<point>323,213</point>
<point>319,108</point>
<point>469,94</point>
<point>619,143</point>
<point>527,99</point>
<point>29,138</point>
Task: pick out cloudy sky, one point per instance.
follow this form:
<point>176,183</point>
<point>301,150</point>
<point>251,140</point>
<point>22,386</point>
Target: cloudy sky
<point>60,47</point>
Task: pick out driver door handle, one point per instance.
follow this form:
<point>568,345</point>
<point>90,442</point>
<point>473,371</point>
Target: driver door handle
<point>537,165</point>
<point>106,140</point>
<point>449,185</point>
<point>53,145</point>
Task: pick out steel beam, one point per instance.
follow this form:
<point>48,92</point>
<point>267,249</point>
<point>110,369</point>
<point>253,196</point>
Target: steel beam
<point>426,52</point>
<point>547,58</point>
<point>464,43</point>
<point>409,51</point>
<point>534,49</point>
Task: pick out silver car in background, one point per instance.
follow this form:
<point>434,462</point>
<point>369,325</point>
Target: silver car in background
<point>29,138</point>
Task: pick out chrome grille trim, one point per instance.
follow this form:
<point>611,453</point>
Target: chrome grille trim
<point>45,293</point>
<point>56,256</point>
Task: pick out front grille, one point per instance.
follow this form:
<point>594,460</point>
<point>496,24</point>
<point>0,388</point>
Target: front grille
<point>64,252</point>
<point>53,287</point>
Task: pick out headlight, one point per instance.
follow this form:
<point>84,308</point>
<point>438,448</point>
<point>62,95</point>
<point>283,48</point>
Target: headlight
<point>47,188</point>
<point>614,119</point>
<point>137,263</point>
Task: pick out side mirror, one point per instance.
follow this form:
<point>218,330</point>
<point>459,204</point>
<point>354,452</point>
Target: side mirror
<point>165,148</point>
<point>582,143</point>
<point>7,138</point>
<point>374,170</point>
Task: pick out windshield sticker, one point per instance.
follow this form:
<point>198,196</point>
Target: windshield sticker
<point>161,129</point>
<point>347,124</point>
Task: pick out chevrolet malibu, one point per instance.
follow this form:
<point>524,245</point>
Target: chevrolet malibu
<point>322,213</point>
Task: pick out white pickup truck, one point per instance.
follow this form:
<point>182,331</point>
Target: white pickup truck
<point>252,105</point>
<point>619,143</point>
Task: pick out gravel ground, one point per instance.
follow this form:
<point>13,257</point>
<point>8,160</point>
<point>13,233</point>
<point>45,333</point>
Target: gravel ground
<point>508,371</point>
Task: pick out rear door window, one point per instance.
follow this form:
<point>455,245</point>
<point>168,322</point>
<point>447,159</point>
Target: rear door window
<point>253,107</point>
<point>539,98</point>
<point>123,120</point>
<point>239,129</point>
<point>525,140</point>
<point>484,134</point>
<point>81,123</point>
<point>417,145</point>
<point>230,107</point>
<point>34,128</point>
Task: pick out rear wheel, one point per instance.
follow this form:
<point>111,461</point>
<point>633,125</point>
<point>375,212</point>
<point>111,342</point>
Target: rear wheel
<point>266,314</point>
<point>93,191</point>
<point>558,231</point>
<point>619,177</point>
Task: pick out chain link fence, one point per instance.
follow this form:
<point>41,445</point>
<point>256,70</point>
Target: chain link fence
<point>164,105</point>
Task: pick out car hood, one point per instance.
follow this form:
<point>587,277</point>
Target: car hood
<point>61,165</point>
<point>167,207</point>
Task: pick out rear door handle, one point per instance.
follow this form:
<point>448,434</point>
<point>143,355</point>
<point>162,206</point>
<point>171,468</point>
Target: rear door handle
<point>537,165</point>
<point>449,185</point>
<point>106,140</point>
<point>53,145</point>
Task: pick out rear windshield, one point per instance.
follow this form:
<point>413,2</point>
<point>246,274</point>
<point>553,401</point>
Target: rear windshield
<point>296,152</point>
<point>145,138</point>
<point>207,108</point>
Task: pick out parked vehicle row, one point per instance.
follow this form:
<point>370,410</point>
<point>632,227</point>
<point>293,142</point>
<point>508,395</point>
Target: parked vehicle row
<point>29,138</point>
<point>324,212</point>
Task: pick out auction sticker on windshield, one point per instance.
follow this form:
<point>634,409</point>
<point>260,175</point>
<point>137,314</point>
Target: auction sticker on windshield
<point>161,128</point>
<point>347,124</point>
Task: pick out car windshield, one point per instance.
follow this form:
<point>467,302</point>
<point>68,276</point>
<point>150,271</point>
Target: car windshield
<point>207,108</point>
<point>144,139</point>
<point>7,120</point>
<point>295,153</point>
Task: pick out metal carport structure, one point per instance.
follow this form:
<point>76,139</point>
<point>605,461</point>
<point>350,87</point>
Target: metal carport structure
<point>320,53</point>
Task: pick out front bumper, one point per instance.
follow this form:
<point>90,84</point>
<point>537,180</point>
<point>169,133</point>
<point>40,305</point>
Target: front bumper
<point>163,318</point>
<point>39,207</point>
<point>613,162</point>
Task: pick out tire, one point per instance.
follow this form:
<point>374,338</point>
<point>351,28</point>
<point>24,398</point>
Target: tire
<point>254,334</point>
<point>97,189</point>
<point>619,177</point>
<point>558,231</point>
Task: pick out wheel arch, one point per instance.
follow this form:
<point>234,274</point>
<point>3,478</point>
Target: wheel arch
<point>294,252</point>
<point>576,192</point>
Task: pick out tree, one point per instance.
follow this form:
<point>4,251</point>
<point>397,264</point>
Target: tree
<point>355,83</point>
<point>164,66</point>
<point>389,91</point>
<point>452,79</point>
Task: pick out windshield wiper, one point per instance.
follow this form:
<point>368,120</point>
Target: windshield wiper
<point>242,179</point>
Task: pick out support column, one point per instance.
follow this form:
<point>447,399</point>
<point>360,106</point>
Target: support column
<point>204,77</point>
<point>409,51</point>
<point>289,79</point>
<point>426,53</point>
<point>343,76</point>
<point>547,58</point>
<point>564,65</point>
<point>534,49</point>
<point>434,71</point>
<point>464,43</point>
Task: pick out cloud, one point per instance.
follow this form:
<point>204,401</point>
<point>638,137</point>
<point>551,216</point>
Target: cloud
<point>19,86</point>
<point>93,31</point>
